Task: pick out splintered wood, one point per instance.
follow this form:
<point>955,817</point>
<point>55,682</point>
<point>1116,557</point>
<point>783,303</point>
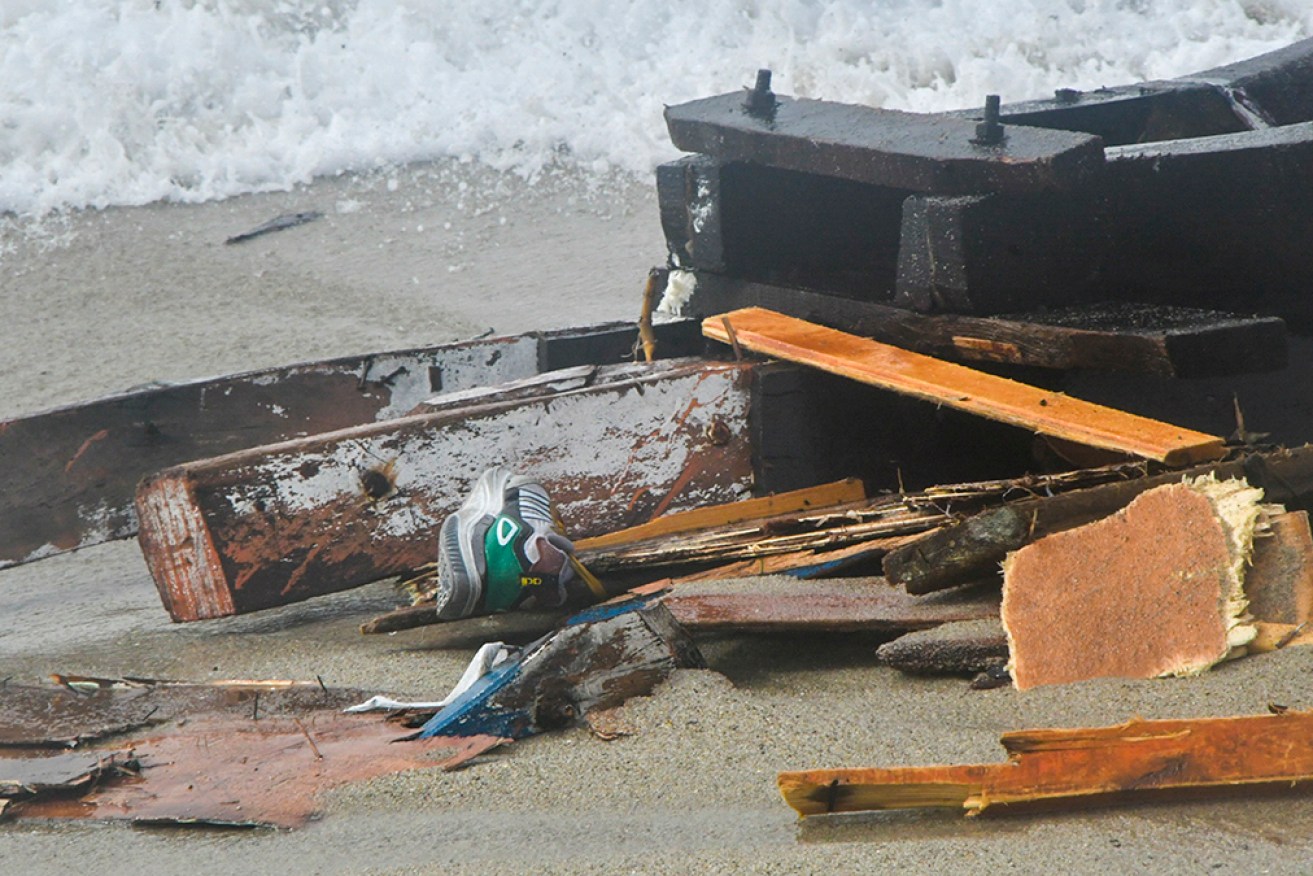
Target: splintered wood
<point>957,386</point>
<point>796,501</point>
<point>1080,766</point>
<point>1156,589</point>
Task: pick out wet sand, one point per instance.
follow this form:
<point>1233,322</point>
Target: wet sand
<point>441,252</point>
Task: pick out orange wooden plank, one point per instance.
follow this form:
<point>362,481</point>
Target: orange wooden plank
<point>1081,765</point>
<point>960,387</point>
<point>837,493</point>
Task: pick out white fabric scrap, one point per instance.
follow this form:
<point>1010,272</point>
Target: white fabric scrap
<point>679,289</point>
<point>488,657</point>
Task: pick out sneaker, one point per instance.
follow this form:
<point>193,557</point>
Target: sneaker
<point>505,549</point>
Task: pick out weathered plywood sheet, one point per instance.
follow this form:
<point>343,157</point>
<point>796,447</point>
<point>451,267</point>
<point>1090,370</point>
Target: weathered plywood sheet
<point>279,524</point>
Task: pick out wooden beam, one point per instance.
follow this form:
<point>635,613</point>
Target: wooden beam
<point>836,605</point>
<point>963,388</point>
<point>907,151</point>
<point>279,524</point>
<point>1117,337</point>
<point>1075,768</point>
<point>794,501</point>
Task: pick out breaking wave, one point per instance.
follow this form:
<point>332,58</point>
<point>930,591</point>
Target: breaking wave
<point>115,102</point>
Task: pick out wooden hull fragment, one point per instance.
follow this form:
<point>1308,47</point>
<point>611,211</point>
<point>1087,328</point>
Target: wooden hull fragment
<point>71,472</point>
<point>283,523</point>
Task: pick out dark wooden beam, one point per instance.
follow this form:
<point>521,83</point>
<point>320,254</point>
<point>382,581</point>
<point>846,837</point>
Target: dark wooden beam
<point>913,151</point>
<point>1142,339</point>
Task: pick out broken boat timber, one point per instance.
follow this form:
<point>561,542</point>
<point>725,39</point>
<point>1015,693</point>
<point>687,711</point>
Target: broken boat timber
<point>1054,249</point>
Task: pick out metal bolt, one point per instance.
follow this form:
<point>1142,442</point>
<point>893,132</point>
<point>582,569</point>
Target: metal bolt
<point>990,131</point>
<point>760,100</point>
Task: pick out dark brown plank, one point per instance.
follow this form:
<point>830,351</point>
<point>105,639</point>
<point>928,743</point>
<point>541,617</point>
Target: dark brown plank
<point>279,524</point>
<point>1135,338</point>
<point>831,605</point>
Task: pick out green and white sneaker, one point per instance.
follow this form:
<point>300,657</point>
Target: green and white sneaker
<point>504,549</point>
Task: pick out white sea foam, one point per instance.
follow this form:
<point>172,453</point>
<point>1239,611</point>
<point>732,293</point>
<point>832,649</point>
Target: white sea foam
<point>130,101</point>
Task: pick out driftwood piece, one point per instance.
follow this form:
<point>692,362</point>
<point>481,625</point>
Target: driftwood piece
<point>598,660</point>
<point>830,605</point>
<point>1075,768</point>
<point>1120,337</point>
<point>957,386</point>
<point>1154,590</point>
<point>280,524</point>
<point>976,546</point>
<point>950,649</point>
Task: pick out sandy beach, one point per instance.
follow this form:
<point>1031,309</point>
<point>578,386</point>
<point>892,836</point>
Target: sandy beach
<point>107,300</point>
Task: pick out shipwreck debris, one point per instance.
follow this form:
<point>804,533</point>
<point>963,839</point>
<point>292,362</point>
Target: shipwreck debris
<point>82,462</point>
<point>837,605</point>
<point>1076,768</point>
<point>234,753</point>
<point>974,547</point>
<point>597,660</point>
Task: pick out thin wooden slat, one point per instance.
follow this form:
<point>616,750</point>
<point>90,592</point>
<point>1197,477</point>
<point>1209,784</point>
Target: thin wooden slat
<point>966,389</point>
<point>837,493</point>
<point>1077,767</point>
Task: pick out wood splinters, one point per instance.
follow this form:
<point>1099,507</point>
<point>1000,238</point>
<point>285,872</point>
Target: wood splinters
<point>1077,767</point>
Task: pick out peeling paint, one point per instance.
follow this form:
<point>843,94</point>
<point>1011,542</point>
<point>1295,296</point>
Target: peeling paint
<point>292,521</point>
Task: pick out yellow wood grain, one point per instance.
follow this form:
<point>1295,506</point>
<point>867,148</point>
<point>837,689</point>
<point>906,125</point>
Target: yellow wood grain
<point>836,493</point>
